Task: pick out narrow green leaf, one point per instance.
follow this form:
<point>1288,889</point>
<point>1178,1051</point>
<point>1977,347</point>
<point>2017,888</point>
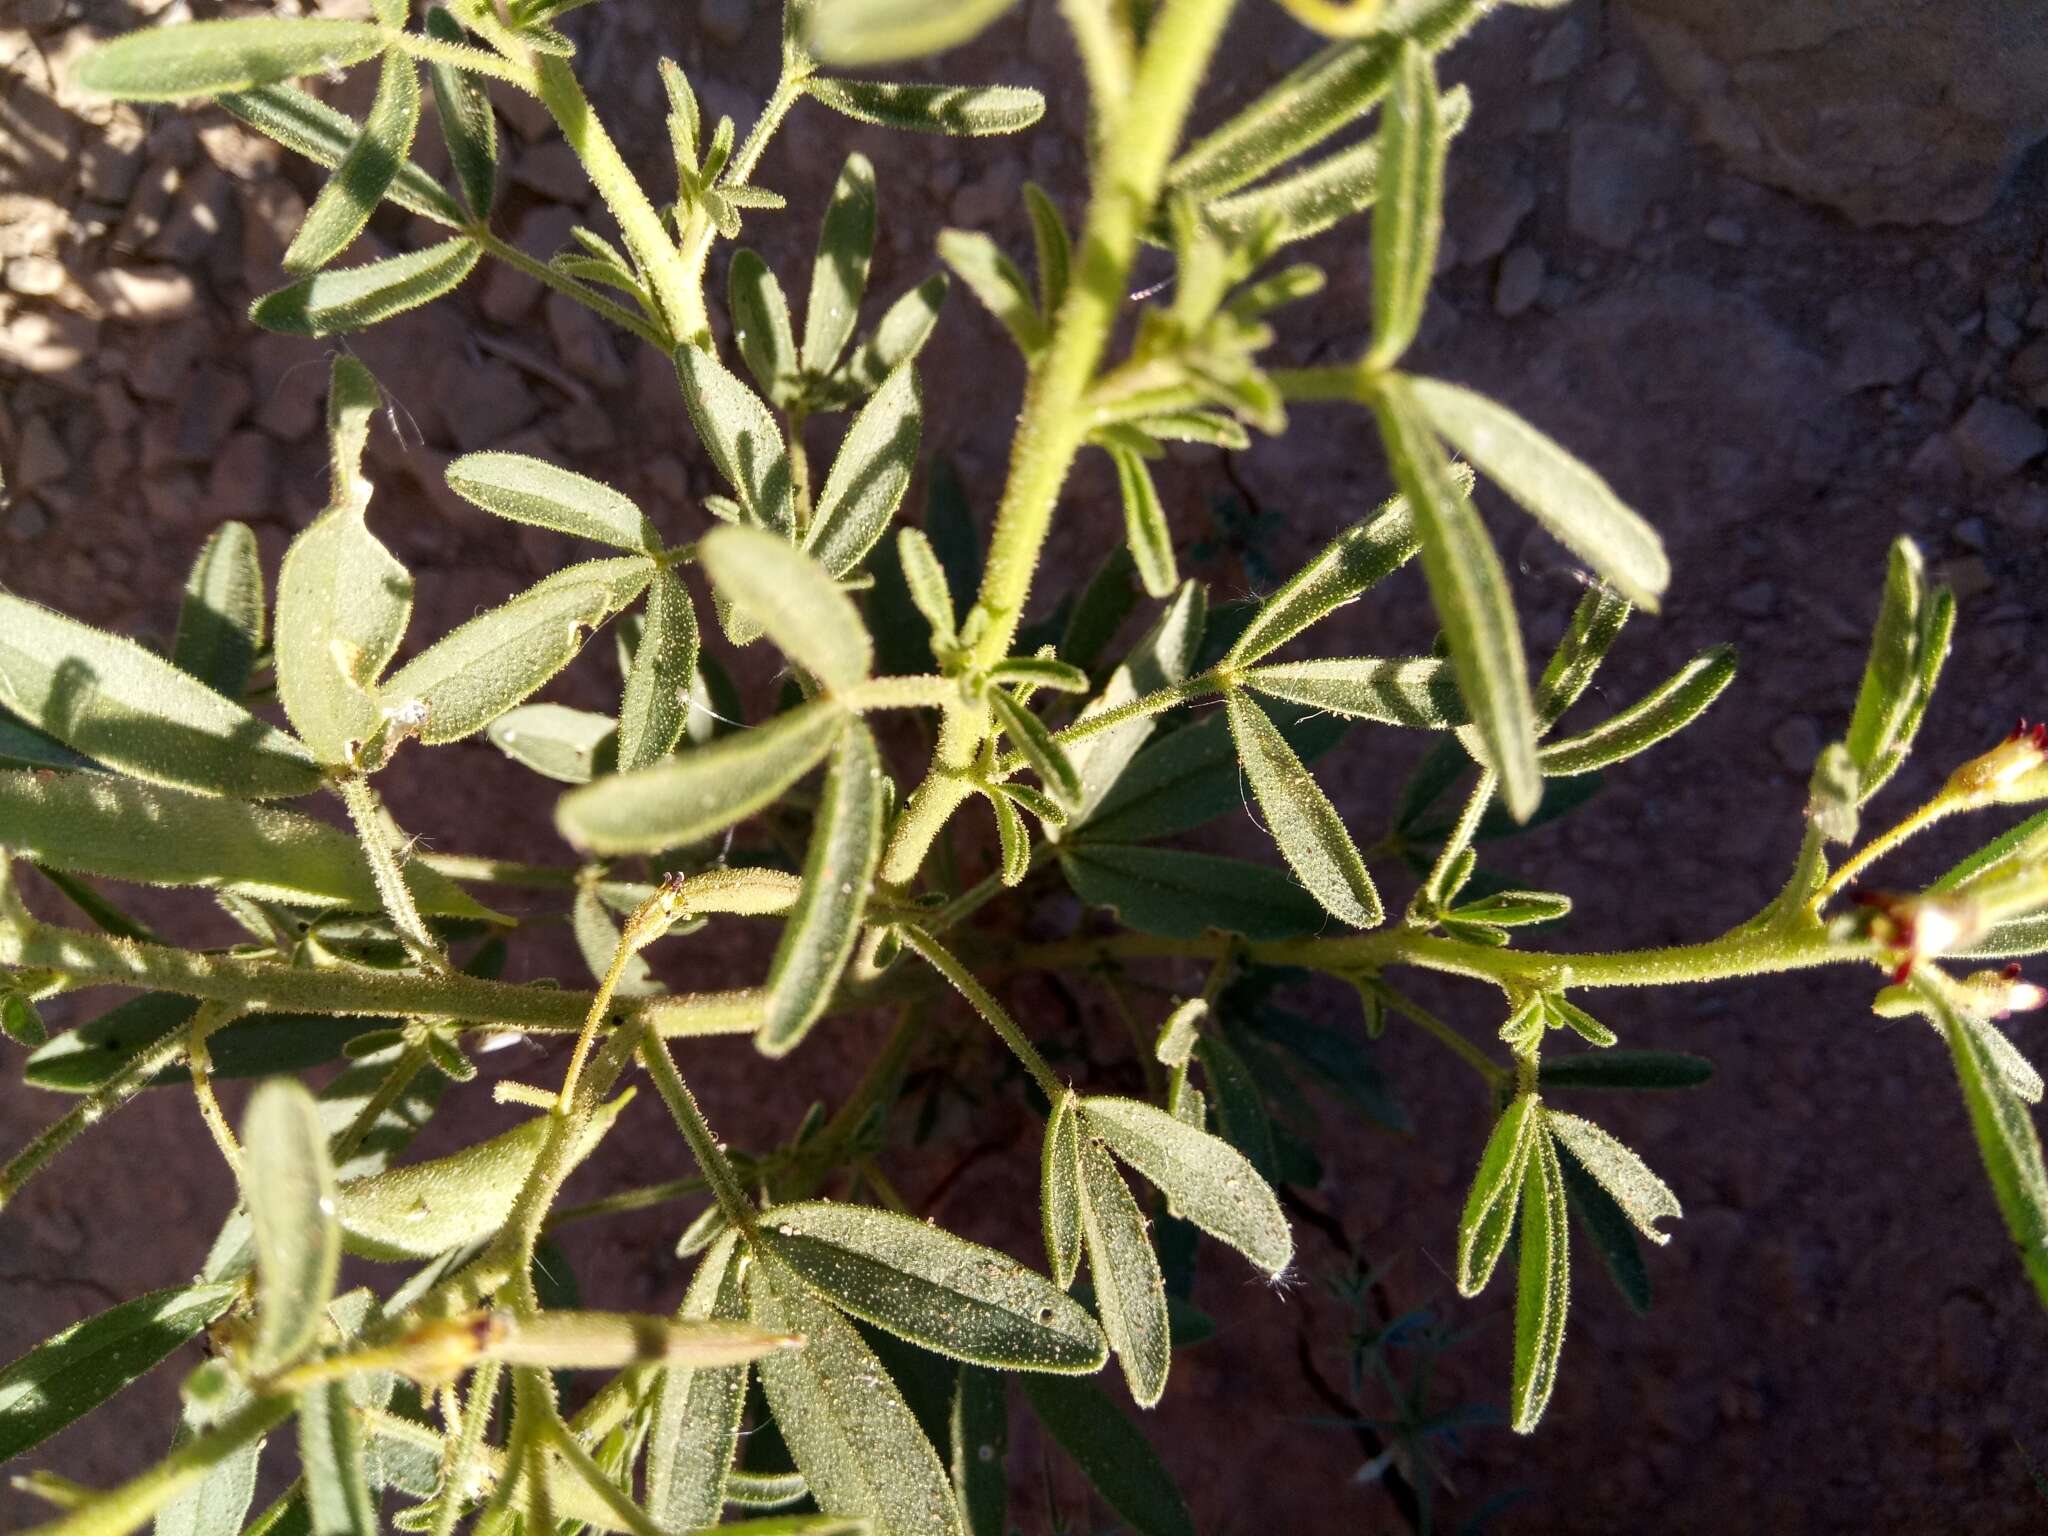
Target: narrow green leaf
<point>938,1291</point>
<point>1515,909</point>
<point>422,1210</point>
<point>697,1412</point>
<point>1336,86</point>
<point>1130,1293</point>
<point>794,601</point>
<point>995,280</point>
<point>1651,1070</point>
<point>2006,1140</point>
<point>839,873</point>
<point>1937,629</point>
<point>958,111</point>
<point>1892,673</point>
<point>96,824</point>
<point>1039,672</point>
<point>344,299</point>
<point>1470,591</point>
<point>926,580</point>
<point>1108,1448</point>
<point>1625,1176</point>
<point>979,1421</point>
<point>882,31</point>
<point>221,621</point>
<point>290,1190</point>
<point>569,745</point>
<point>1489,1214</point>
<point>869,475</point>
<point>527,490</point>
<point>1145,528</point>
<point>1013,838</point>
<point>760,324</point>
<point>655,705</point>
<point>21,1022</point>
<point>839,276</point>
<point>1301,820</point>
<point>1420,692</point>
<point>70,1374</point>
<point>2025,843</point>
<point>1357,560</point>
<point>1563,1013</point>
<point>1205,427</point>
<point>1612,1234</point>
<point>123,706</point>
<point>1060,1190</point>
<point>308,126</point>
<point>1670,708</point>
<point>338,1498</point>
<point>1408,218</point>
<point>690,796</point>
<point>1310,200</point>
<point>853,1437</point>
<point>468,126</point>
<point>1595,625</point>
<point>471,676</point>
<point>1028,735</point>
<point>1163,657</point>
<point>343,603</point>
<point>1569,499</point>
<point>205,58</point>
<point>359,183</point>
<point>1055,251</point>
<point>1182,895</point>
<point>1209,1182</point>
<point>218,1504</point>
<point>898,337</point>
<point>1543,1287</point>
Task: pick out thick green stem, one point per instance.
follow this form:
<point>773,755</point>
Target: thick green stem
<point>725,1184</point>
<point>677,288</point>
<point>1055,419</point>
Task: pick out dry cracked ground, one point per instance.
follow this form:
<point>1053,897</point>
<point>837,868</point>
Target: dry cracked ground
<point>1778,270</point>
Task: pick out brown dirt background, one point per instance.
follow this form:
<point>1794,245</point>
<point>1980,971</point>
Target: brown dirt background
<point>1842,1339</point>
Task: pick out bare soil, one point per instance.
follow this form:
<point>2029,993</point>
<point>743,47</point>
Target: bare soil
<point>1841,1340</point>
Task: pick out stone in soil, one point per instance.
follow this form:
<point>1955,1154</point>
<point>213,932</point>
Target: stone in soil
<point>1519,283</point>
<point>1994,439</point>
<point>1617,172</point>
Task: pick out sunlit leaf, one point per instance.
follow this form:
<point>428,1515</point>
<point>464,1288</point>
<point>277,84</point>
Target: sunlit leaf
<point>1301,819</point>
<point>69,1375</point>
<point>880,31</point>
<point>1543,1286</point>
<point>1670,708</point>
<point>1421,692</point>
<point>839,276</point>
<point>290,1189</point>
<point>1891,674</point>
<point>760,323</point>
<point>343,299</point>
<point>853,1437</point>
<point>1357,560</point>
<point>997,283</point>
<point>839,872</point>
<point>308,126</point>
<point>1209,1181</point>
<point>204,58</point>
<point>331,1458</point>
<point>951,1296</point>
<point>1145,528</point>
<point>1569,499</point>
<point>422,1210</point>
<point>1130,1294</point>
<point>655,705</point>
<point>1625,1176</point>
<point>869,475</point>
<point>527,490</point>
<point>221,621</point>
<point>1489,1214</point>
<point>1470,592</point>
<point>740,434</point>
<point>2006,1140</point>
<point>1060,1196</point>
<point>706,789</point>
<point>793,600</point>
<point>570,745</point>
<point>1408,218</point>
<point>358,184</point>
<point>471,676</point>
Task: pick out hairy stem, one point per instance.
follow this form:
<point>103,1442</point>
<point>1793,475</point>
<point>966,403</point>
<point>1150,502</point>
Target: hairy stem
<point>130,1506</point>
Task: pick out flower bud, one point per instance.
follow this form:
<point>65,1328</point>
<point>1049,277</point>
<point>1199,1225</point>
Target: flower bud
<point>2011,773</point>
<point>1994,994</point>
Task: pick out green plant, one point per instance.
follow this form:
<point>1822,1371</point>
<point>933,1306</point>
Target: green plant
<point>876,1341</point>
